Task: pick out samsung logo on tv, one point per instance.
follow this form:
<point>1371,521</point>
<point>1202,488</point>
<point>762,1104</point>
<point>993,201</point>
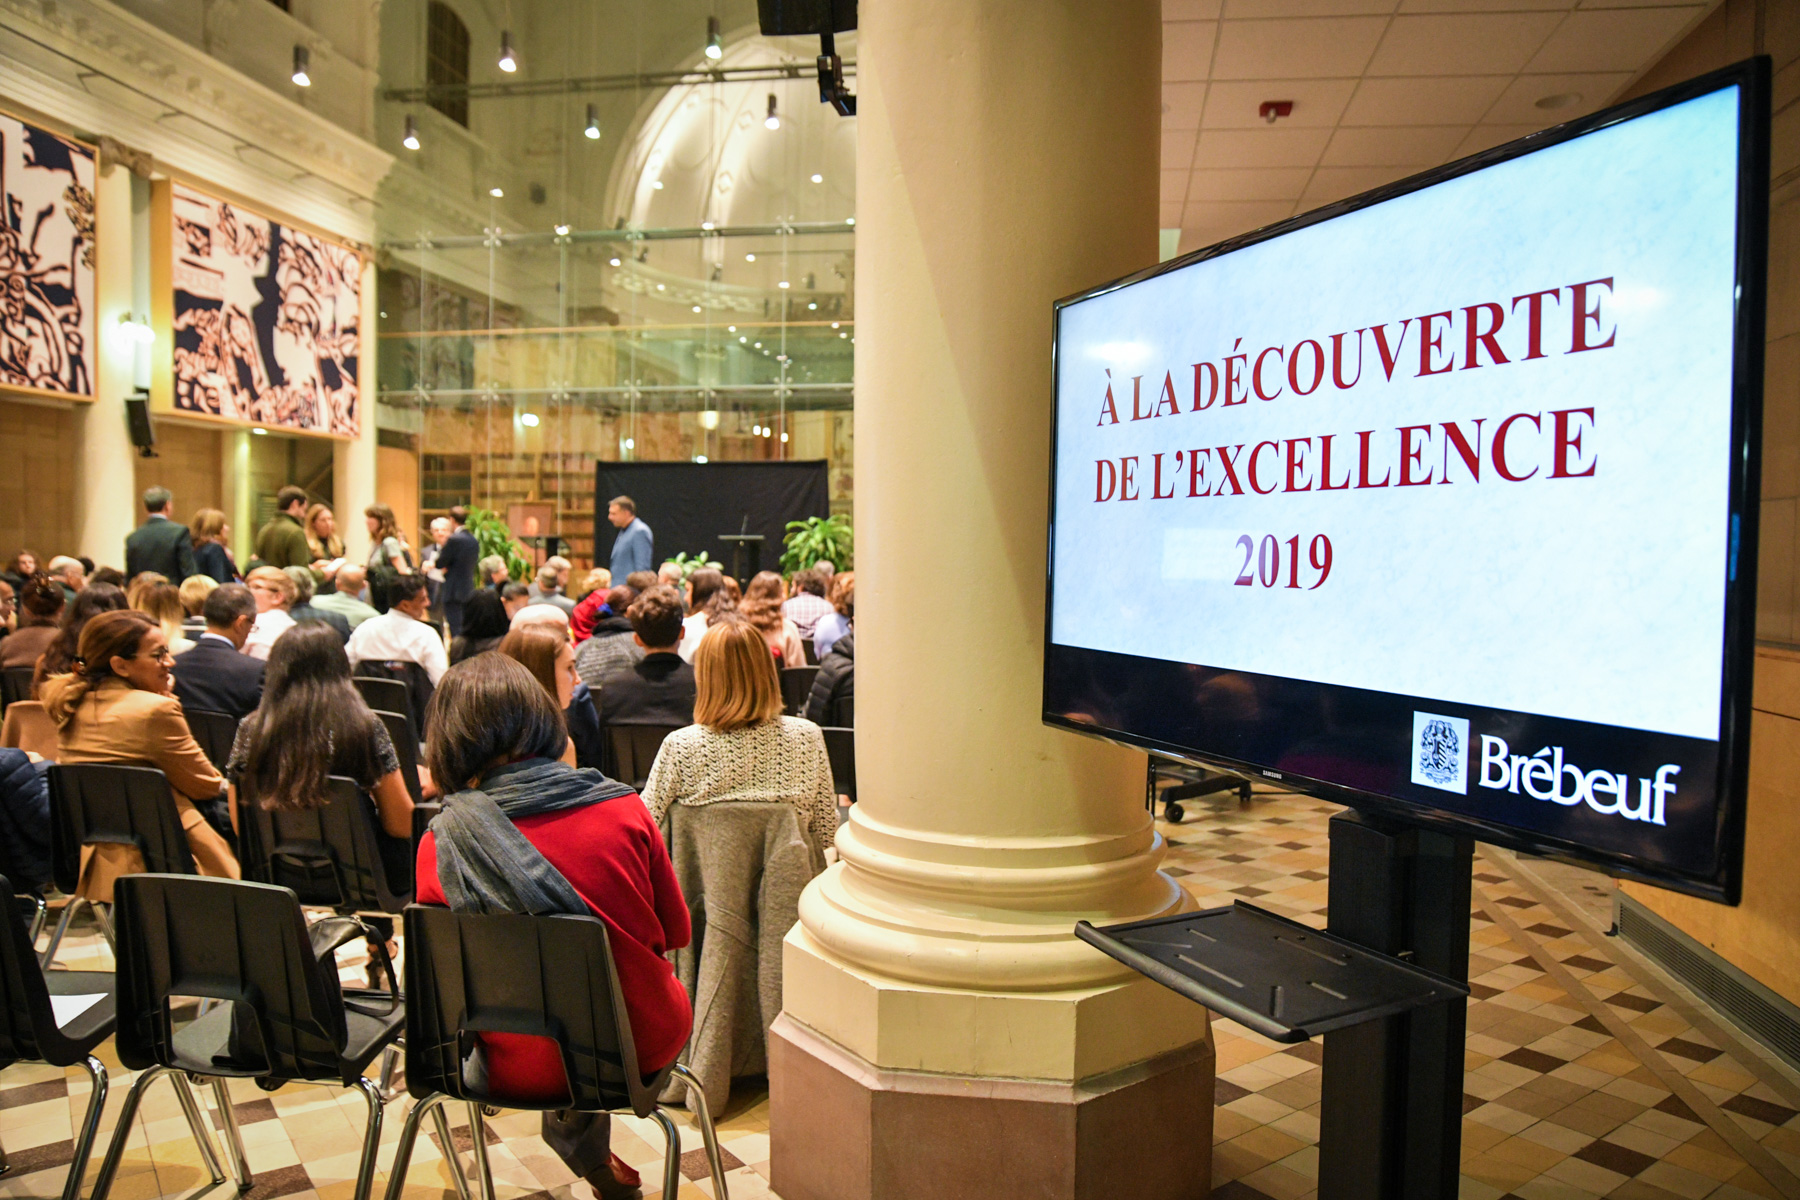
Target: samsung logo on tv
<point>1440,754</point>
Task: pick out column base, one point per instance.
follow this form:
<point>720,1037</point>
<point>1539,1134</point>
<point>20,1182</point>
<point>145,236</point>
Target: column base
<point>842,1128</point>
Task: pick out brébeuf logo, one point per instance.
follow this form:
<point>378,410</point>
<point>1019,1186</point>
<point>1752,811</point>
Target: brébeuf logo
<point>1440,752</point>
<point>1548,775</point>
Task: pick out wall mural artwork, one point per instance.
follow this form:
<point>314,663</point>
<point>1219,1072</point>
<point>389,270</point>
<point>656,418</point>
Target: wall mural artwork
<point>266,319</point>
<point>46,261</point>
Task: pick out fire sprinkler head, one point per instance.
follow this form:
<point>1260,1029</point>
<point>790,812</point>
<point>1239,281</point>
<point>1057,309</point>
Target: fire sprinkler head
<point>1271,110</point>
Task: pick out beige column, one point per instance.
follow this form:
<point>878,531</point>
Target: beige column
<point>105,460</point>
<point>353,466</point>
<point>237,493</point>
<point>943,1032</point>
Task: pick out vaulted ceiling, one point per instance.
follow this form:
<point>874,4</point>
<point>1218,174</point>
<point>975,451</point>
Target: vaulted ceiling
<point>1380,89</point>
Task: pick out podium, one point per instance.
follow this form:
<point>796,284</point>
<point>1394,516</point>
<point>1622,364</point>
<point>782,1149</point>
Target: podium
<point>746,555</point>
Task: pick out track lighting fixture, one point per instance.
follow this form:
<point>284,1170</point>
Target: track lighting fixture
<point>773,120</point>
<point>508,63</point>
<point>302,61</point>
<point>715,49</point>
<point>410,139</point>
<point>593,123</point>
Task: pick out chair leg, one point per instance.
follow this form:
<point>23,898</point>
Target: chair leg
<point>442,1119</point>
<point>90,1125</point>
<point>103,916</point>
<point>390,1059</point>
<point>478,1139</point>
<point>409,1133</point>
<point>39,912</point>
<point>696,1101</point>
<point>365,1171</point>
<point>671,1160</point>
<point>109,1168</point>
<point>4,1165</point>
<point>234,1138</point>
<point>62,927</point>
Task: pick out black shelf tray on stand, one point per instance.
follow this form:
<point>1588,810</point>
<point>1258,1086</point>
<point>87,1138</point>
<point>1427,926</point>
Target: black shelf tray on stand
<point>1287,981</point>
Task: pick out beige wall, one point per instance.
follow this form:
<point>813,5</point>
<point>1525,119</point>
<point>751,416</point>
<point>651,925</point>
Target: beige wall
<point>397,486</point>
<point>189,463</point>
<point>37,484</point>
<point>1762,935</point>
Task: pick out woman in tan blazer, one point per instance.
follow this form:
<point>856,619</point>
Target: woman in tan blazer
<point>115,707</point>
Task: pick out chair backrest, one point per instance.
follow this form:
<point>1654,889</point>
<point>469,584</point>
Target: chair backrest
<point>383,693</point>
<point>329,856</point>
<point>27,726</point>
<point>93,803</point>
<point>812,652</point>
<point>215,731</point>
<point>15,684</point>
<point>412,676</point>
<point>840,747</point>
<point>551,976</point>
<point>634,749</point>
<point>231,940</point>
<point>796,685</point>
<point>406,749</point>
<point>26,1015</point>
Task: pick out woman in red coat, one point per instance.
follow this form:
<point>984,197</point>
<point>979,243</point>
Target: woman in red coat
<point>527,833</point>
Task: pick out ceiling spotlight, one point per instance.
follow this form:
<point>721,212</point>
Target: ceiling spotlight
<point>562,230</point>
<point>818,179</point>
<point>843,335</point>
<point>661,288</point>
<point>593,123</point>
<point>528,420</point>
<point>709,419</point>
<point>631,443</point>
<point>784,437</point>
<point>756,346</point>
<point>1272,111</point>
<point>749,258</point>
<point>742,339</point>
<point>696,308</point>
<point>302,61</point>
<point>508,63</point>
<point>410,139</point>
<point>835,324</point>
<point>849,220</point>
<point>497,193</point>
<point>773,120</point>
<point>613,261</point>
<point>782,284</point>
<point>259,431</point>
<point>715,50</point>
<point>700,458</point>
<point>656,184</point>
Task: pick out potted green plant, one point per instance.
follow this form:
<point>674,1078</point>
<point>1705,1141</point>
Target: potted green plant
<point>816,539</point>
<point>690,564</point>
<point>495,538</point>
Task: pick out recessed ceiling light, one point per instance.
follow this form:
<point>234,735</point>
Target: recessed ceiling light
<point>496,193</point>
<point>614,261</point>
<point>749,258</point>
<point>728,328</point>
<point>696,308</point>
<point>562,230</point>
<point>782,284</point>
<point>657,184</point>
<point>259,431</point>
<point>1559,100</point>
<point>818,179</point>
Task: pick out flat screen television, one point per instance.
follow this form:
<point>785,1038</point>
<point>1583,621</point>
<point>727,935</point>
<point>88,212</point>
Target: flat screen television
<point>1441,500</point>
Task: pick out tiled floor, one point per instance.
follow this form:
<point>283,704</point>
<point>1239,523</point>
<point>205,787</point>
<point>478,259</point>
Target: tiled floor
<point>1588,1072</point>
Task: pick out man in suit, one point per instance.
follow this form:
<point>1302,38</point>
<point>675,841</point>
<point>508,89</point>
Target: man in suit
<point>160,544</point>
<point>216,675</point>
<point>635,547</point>
<point>456,559</point>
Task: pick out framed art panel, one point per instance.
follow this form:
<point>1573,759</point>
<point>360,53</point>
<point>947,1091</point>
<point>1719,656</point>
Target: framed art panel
<point>266,318</point>
<point>46,261</point>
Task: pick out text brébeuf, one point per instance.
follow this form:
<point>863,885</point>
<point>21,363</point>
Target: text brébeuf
<point>1480,332</point>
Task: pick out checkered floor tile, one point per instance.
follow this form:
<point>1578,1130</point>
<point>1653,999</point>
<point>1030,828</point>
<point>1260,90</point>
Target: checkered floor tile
<point>1587,1072</point>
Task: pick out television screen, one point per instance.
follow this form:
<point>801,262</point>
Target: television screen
<point>1441,501</point>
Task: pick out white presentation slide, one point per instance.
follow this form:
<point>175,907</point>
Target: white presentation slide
<point>1471,444</point>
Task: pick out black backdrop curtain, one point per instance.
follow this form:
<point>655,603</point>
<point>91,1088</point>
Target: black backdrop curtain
<point>688,505</point>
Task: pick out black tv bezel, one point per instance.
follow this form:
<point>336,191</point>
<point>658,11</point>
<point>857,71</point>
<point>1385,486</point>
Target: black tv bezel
<point>1724,885</point>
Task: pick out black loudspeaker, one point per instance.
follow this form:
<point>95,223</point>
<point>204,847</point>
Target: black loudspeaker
<point>790,17</point>
<point>143,433</point>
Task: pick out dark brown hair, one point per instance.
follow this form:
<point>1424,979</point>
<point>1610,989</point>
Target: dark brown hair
<point>40,599</point>
<point>312,722</point>
<point>536,647</point>
<point>762,602</point>
<point>843,593</point>
<point>656,616</point>
<point>90,602</point>
<point>487,711</point>
<point>115,634</point>
<point>641,581</point>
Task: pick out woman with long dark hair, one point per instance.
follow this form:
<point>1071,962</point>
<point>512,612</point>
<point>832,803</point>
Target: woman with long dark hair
<point>116,708</point>
<point>484,625</point>
<point>313,723</point>
<point>59,657</point>
<point>707,598</point>
<point>524,833</point>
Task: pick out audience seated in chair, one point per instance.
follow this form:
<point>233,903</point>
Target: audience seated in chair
<point>40,604</point>
<point>836,623</point>
<point>834,688</point>
<point>215,675</point>
<point>545,651</point>
<point>344,600</point>
<point>162,602</point>
<point>118,709</point>
<point>193,592</point>
<point>313,723</point>
<point>400,634</point>
<point>609,645</point>
<point>59,658</point>
<point>761,607</point>
<point>305,610</point>
<point>523,832</point>
<point>710,595</point>
<point>806,603</point>
<point>740,746</point>
<point>658,689</point>
<point>484,624</point>
<point>275,594</point>
<point>24,820</point>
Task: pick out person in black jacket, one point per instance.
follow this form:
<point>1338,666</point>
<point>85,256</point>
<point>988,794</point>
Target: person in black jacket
<point>211,555</point>
<point>833,697</point>
<point>456,559</point>
<point>658,689</point>
<point>303,610</point>
<point>159,544</point>
<point>216,675</point>
<point>24,821</point>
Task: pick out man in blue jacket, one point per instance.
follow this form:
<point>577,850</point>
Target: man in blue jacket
<point>635,547</point>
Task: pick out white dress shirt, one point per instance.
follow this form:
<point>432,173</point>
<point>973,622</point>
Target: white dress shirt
<point>269,626</point>
<point>396,637</point>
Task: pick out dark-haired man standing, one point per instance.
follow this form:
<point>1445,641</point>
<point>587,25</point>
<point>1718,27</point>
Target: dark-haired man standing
<point>282,542</point>
<point>159,544</point>
<point>635,547</point>
<point>456,558</point>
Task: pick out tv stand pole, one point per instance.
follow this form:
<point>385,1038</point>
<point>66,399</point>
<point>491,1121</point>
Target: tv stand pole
<point>1391,1103</point>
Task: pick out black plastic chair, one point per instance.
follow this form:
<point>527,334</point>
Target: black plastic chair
<point>96,803</point>
<point>634,749</point>
<point>840,748</point>
<point>15,684</point>
<point>406,748</point>
<point>382,693</point>
<point>796,686</point>
<point>812,653</point>
<point>30,1032</point>
<point>329,856</point>
<point>215,731</point>
<point>549,976</point>
<point>284,1018</point>
<point>410,675</point>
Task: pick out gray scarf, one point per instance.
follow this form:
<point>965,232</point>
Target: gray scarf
<point>485,864</point>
